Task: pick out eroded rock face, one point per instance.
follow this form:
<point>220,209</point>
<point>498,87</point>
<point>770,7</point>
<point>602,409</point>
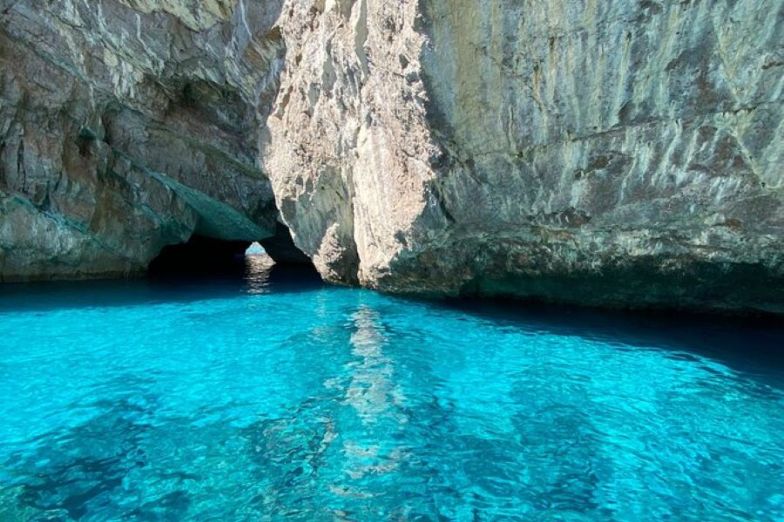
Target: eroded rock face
<point>619,152</point>
<point>616,152</point>
<point>337,143</point>
<point>129,125</point>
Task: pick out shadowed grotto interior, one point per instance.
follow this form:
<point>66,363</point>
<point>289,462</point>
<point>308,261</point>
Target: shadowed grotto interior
<point>203,256</point>
<point>199,255</point>
<point>282,249</point>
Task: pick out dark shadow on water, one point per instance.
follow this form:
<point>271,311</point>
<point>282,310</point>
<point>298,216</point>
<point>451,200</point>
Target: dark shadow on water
<point>83,469</point>
<point>749,344</point>
<point>247,275</point>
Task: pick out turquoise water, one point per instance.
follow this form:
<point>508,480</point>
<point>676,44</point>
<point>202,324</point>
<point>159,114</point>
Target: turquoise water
<point>272,396</point>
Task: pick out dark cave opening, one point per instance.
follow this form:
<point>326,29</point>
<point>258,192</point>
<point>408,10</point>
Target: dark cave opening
<point>206,257</point>
<point>282,249</point>
<point>200,256</point>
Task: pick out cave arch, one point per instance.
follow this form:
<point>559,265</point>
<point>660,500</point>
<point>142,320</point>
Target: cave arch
<point>199,255</point>
<point>206,255</point>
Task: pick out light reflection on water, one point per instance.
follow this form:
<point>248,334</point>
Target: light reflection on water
<point>257,272</point>
<point>273,395</point>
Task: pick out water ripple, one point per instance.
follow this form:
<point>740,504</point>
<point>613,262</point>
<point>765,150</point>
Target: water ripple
<point>273,398</point>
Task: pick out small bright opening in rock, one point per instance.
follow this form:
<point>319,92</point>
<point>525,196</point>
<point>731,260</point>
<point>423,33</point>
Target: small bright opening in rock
<point>255,249</point>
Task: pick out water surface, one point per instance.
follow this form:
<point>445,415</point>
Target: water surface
<point>261,397</point>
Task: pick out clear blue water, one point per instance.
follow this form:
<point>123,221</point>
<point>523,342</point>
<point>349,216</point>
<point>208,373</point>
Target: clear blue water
<point>264,397</point>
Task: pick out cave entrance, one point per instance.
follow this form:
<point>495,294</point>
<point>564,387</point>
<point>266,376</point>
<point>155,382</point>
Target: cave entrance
<point>200,256</point>
<point>205,256</point>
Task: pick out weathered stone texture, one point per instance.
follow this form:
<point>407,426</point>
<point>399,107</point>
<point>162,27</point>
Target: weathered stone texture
<point>127,126</point>
<point>612,152</point>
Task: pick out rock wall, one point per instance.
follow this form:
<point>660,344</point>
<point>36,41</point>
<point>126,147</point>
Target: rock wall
<point>615,152</point>
<point>127,126</point>
<point>611,152</point>
<point>348,134</point>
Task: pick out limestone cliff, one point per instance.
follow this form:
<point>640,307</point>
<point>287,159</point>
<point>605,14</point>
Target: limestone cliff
<point>127,126</point>
<point>610,152</point>
<point>614,152</point>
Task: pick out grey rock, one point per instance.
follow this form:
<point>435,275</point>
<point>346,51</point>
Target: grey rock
<point>614,153</point>
<point>617,153</point>
<point>129,126</point>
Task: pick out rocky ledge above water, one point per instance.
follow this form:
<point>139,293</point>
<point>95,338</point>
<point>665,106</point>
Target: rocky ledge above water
<point>622,153</point>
